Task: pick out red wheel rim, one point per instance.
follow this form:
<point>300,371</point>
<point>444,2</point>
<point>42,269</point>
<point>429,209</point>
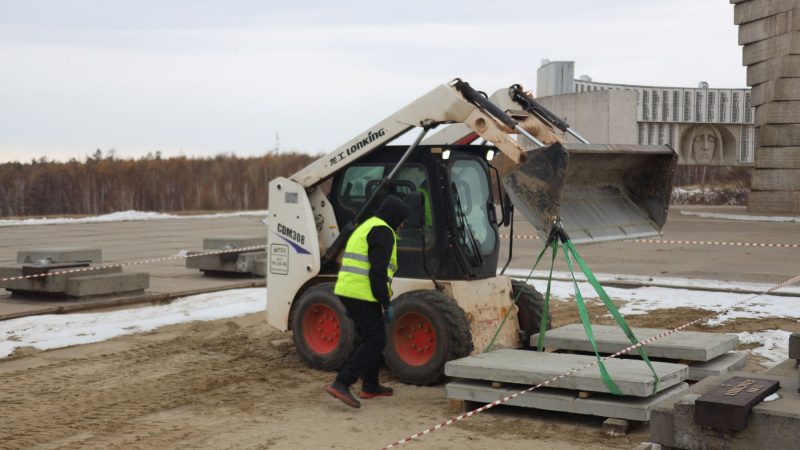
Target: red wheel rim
<point>414,339</point>
<point>321,328</point>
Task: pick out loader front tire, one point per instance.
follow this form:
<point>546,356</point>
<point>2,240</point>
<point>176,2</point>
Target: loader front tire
<point>324,335</point>
<point>531,309</point>
<point>429,329</point>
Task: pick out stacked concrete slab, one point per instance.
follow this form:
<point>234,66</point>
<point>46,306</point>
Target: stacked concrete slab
<point>490,376</point>
<point>676,358</point>
<point>79,280</point>
<point>706,354</point>
<point>769,30</point>
<point>251,262</point>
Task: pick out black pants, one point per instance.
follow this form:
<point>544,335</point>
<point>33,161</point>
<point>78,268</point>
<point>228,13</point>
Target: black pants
<point>366,361</point>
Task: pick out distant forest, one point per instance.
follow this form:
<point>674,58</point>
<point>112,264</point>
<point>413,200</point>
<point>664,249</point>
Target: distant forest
<point>103,184</point>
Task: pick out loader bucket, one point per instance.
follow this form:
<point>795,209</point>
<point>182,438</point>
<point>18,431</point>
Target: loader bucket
<point>600,192</point>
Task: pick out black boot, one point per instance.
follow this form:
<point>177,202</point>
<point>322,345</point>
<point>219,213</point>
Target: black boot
<point>380,391</point>
<point>342,392</point>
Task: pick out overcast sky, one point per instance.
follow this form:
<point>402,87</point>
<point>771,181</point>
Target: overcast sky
<point>199,78</point>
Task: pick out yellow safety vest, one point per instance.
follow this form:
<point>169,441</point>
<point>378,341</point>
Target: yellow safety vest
<point>353,278</point>
<point>427,199</point>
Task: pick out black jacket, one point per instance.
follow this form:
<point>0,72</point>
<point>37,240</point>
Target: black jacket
<point>380,241</point>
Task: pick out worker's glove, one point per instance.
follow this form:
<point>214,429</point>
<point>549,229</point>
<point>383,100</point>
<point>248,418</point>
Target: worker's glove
<point>388,314</point>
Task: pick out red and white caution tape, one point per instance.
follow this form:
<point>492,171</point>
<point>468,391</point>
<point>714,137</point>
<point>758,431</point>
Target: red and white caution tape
<point>664,241</point>
<point>641,343</point>
<point>135,263</point>
<point>724,244</point>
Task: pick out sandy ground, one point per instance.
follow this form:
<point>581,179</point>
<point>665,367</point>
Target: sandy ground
<point>238,384</point>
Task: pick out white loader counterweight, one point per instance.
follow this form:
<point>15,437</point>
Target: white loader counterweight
<point>448,298</point>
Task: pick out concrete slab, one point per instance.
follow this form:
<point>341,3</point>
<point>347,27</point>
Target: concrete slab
<point>260,267</point>
<point>51,285</point>
<point>778,112</point>
<point>794,346</point>
<point>226,242</point>
<point>687,345</point>
<point>772,424</point>
<point>780,135</point>
<point>776,180</point>
<point>243,263</point>
<point>632,377</point>
<point>783,66</point>
<point>765,28</point>
<point>774,201</point>
<point>778,157</point>
<point>61,255</point>
<point>720,365</point>
<point>770,48</point>
<point>114,283</point>
<point>786,89</point>
<point>602,405</point>
<point>758,9</point>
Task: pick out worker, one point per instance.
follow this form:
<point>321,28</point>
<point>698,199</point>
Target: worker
<point>364,287</point>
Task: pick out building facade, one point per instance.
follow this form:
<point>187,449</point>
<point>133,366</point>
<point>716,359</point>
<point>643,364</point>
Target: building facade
<point>704,125</point>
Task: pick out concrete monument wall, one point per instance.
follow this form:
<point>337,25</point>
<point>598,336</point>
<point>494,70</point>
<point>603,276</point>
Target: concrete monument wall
<point>602,117</point>
<point>769,30</point>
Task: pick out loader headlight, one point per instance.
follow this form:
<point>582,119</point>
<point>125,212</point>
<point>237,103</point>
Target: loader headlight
<point>446,154</point>
<point>489,155</point>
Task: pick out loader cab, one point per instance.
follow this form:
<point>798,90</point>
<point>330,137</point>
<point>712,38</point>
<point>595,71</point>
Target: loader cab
<point>457,236</point>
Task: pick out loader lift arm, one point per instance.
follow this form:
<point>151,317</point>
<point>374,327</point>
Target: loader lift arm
<point>455,102</point>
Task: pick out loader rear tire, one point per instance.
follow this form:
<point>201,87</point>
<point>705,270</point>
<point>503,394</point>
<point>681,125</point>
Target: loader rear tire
<point>429,329</point>
<point>531,308</point>
<point>324,335</point>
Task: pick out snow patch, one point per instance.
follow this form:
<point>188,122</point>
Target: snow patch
<point>125,216</point>
<point>709,196</point>
<point>56,331</point>
<point>774,345</point>
<point>642,300</point>
<point>742,217</point>
<point>665,282</point>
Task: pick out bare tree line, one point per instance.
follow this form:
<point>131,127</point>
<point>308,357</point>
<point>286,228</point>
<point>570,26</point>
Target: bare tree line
<point>102,185</point>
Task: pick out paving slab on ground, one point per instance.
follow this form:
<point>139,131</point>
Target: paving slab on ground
<point>632,377</point>
<point>228,242</point>
<point>603,405</point>
<point>688,345</point>
<point>60,255</point>
<point>720,365</point>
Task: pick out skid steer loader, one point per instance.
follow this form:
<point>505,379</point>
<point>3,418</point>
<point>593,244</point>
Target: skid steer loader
<point>448,298</point>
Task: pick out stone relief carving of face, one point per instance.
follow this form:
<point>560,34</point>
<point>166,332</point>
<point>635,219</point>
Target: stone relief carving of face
<point>706,145</point>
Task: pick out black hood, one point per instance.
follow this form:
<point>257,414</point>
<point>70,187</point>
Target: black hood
<point>393,210</point>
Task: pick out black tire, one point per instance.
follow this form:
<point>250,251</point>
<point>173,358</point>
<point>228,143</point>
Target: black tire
<point>420,317</point>
<point>531,308</point>
<point>328,346</point>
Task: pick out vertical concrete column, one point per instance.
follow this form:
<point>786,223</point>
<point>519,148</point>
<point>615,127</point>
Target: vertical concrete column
<point>769,30</point>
